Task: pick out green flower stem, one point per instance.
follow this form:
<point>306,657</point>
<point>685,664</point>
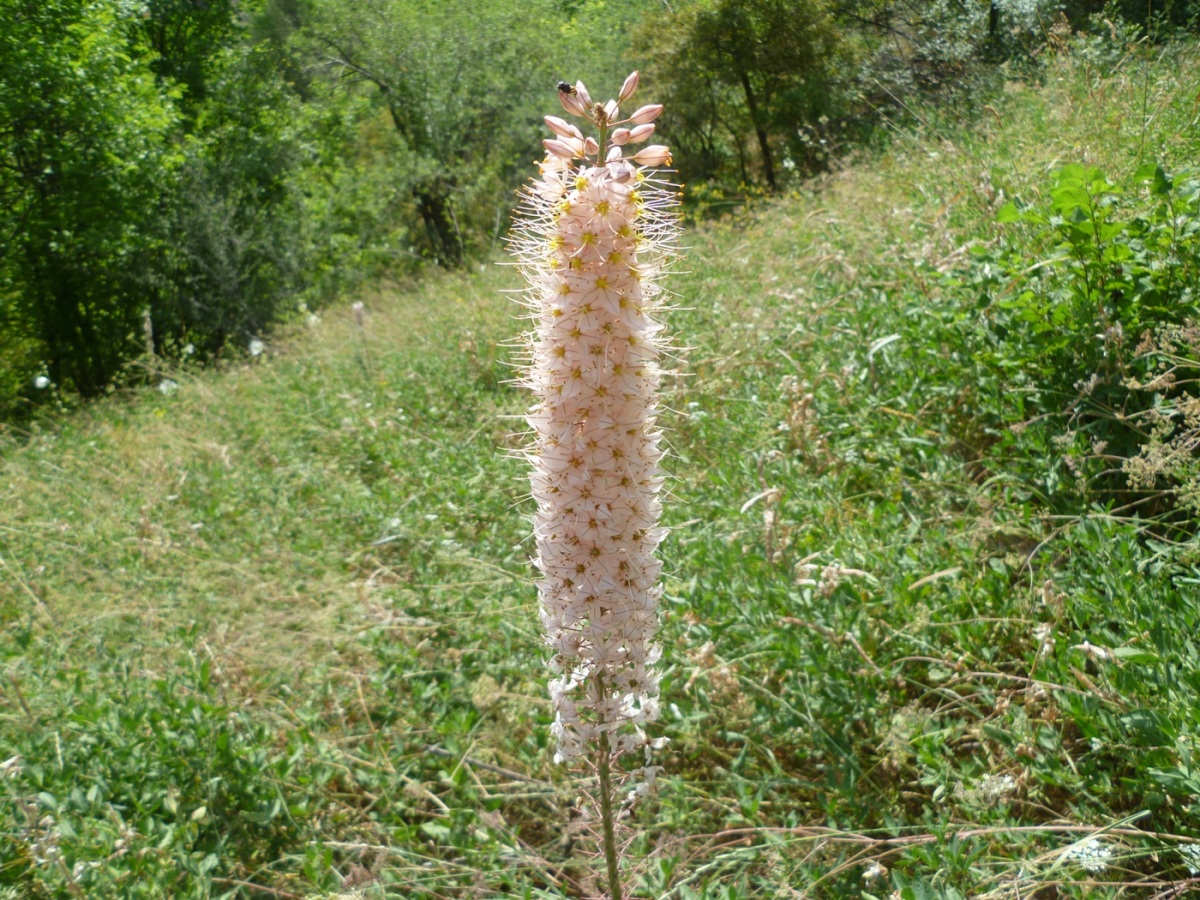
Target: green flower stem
<point>606,816</point>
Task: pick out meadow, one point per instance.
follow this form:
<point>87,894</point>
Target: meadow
<point>269,630</point>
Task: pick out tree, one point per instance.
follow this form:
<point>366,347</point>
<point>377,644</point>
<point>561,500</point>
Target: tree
<point>769,64</point>
<point>184,40</point>
<point>83,160</point>
<point>452,75</point>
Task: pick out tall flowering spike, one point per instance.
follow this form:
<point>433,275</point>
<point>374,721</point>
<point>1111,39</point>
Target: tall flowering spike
<point>594,238</point>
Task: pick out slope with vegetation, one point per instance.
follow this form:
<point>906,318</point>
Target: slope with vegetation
<point>933,583</point>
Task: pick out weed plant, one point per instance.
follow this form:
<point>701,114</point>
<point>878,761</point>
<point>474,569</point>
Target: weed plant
<point>269,634</point>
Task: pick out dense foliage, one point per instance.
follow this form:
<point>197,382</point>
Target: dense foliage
<point>178,176</point>
<point>85,145</point>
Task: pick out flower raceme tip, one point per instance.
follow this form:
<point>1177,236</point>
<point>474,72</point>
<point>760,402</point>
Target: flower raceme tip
<point>570,144</point>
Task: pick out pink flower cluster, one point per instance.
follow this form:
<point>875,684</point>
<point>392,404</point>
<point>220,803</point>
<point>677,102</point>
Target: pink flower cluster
<point>593,244</point>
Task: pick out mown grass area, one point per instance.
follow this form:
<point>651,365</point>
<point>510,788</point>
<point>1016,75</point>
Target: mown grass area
<point>273,634</point>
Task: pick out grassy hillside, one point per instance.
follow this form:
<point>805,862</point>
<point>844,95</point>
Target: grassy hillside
<point>271,632</point>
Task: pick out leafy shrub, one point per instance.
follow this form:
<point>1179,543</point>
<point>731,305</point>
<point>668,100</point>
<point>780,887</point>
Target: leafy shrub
<point>939,47</point>
<point>233,233</point>
<point>1068,301</point>
<point>83,155</point>
<point>1169,458</point>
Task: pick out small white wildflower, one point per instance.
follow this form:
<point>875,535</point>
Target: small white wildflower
<point>995,788</point>
<point>1044,634</point>
<point>875,871</point>
<point>189,349</point>
<point>41,382</point>
<point>81,867</point>
<point>1095,651</point>
<point>167,387</point>
<point>11,767</point>
<point>831,577</point>
<point>313,320</point>
<point>1091,855</point>
<point>989,791</point>
<point>257,347</point>
<point>1191,857</point>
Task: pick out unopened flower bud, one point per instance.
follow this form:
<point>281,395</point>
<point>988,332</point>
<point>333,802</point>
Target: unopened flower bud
<point>614,153</point>
<point>619,137</point>
<point>640,133</point>
<point>654,155</point>
<point>590,147</point>
<point>611,111</point>
<point>559,148</point>
<point>571,102</point>
<point>584,97</point>
<point>628,87</point>
<point>646,114</point>
<point>563,129</point>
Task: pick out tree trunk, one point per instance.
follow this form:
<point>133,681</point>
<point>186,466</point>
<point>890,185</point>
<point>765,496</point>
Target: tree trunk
<point>439,228</point>
<point>993,36</point>
<point>764,144</point>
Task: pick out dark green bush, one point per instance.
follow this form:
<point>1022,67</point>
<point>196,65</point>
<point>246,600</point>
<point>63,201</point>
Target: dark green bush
<point>152,190</point>
<point>234,230</point>
<point>1064,368</point>
<point>84,154</point>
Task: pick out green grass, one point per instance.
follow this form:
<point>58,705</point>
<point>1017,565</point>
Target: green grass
<point>274,634</point>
